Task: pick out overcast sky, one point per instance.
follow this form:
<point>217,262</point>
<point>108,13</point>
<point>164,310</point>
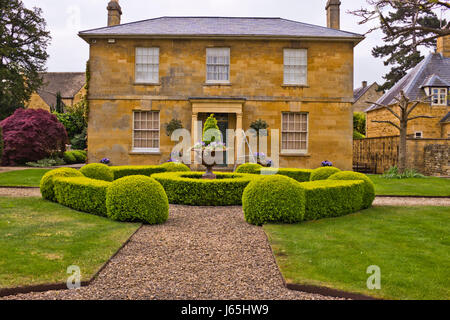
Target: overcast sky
<point>65,18</point>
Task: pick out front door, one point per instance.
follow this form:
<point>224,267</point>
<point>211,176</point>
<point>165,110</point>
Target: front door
<point>222,123</point>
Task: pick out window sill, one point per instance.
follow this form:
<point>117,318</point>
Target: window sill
<point>288,154</point>
<point>294,86</point>
<point>134,152</point>
<point>215,84</point>
<point>155,84</point>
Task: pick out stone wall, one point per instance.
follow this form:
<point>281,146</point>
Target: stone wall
<point>437,160</point>
<point>256,76</point>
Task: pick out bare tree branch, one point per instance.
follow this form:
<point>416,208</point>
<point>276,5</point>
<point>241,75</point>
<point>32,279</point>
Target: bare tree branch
<point>418,117</point>
<point>386,121</point>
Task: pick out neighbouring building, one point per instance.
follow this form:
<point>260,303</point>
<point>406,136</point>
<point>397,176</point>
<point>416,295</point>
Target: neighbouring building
<point>297,77</point>
<point>430,78</point>
<point>364,94</point>
<point>71,86</point>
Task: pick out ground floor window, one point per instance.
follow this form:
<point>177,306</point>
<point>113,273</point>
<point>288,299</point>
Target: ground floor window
<point>146,131</point>
<point>294,132</point>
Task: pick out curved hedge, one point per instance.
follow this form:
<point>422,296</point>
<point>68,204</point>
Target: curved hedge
<point>175,167</point>
<point>323,173</point>
<point>148,202</point>
<point>82,194</point>
<point>189,188</point>
<point>69,157</point>
<point>327,198</point>
<point>124,171</point>
<point>97,171</point>
<point>47,186</point>
<point>300,175</point>
<point>80,156</point>
<point>273,199</point>
<point>369,187</point>
<point>252,168</point>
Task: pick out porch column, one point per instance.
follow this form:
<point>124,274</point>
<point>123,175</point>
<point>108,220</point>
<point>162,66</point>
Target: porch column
<point>240,147</point>
<point>194,128</point>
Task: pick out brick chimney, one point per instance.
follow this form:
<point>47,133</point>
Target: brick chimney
<point>443,46</point>
<point>333,14</point>
<point>364,84</point>
<point>114,13</point>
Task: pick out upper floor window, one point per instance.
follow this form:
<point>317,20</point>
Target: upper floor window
<point>218,65</point>
<point>294,132</point>
<point>146,131</point>
<point>439,96</point>
<point>295,66</point>
<point>147,65</point>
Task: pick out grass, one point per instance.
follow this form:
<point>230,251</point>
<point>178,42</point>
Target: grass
<point>428,186</point>
<point>411,245</point>
<point>22,178</point>
<point>39,240</point>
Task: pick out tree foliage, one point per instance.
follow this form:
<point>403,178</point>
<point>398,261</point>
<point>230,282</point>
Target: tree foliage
<point>359,122</point>
<point>23,53</point>
<point>31,135</point>
<point>408,26</point>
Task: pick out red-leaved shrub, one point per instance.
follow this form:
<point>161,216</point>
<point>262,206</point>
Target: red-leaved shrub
<point>31,135</point>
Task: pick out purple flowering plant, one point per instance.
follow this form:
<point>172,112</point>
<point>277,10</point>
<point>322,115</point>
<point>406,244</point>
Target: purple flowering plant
<point>327,163</point>
<point>105,161</point>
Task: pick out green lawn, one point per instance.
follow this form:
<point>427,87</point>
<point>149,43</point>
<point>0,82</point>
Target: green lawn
<point>411,245</point>
<point>428,186</point>
<point>40,239</point>
<point>22,178</point>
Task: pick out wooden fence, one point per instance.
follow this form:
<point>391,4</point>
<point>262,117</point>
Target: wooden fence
<point>375,155</point>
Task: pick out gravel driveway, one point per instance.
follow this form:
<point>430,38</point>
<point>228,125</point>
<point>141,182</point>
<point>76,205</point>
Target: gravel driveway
<point>200,253</point>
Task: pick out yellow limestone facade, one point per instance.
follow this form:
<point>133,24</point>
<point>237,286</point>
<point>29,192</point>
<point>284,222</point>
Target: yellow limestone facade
<point>256,91</point>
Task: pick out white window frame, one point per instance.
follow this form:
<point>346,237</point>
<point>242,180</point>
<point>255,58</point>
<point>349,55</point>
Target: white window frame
<point>420,135</point>
<point>216,52</point>
<point>438,95</point>
<point>295,61</point>
<point>283,131</point>
<point>147,150</point>
<point>152,61</point>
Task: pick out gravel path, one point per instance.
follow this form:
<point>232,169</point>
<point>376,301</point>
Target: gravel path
<point>405,201</point>
<point>19,192</point>
<point>199,253</point>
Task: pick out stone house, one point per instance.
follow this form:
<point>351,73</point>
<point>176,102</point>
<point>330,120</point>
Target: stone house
<point>365,93</point>
<point>297,77</point>
<point>430,78</point>
<point>71,86</point>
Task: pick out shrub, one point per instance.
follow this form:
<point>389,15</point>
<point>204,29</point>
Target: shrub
<point>1,143</point>
<point>98,171</point>
<point>124,171</point>
<point>211,130</point>
<point>327,198</point>
<point>323,173</point>
<point>300,175</point>
<point>189,188</point>
<point>137,198</point>
<point>46,163</point>
<point>80,156</point>
<point>82,194</point>
<point>369,188</point>
<point>69,157</point>
<point>31,135</point>
<point>357,135</point>
<point>273,199</point>
<point>394,173</point>
<point>175,167</point>
<point>249,168</point>
<point>47,186</point>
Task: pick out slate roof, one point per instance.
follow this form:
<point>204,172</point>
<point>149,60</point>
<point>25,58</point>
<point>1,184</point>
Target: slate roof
<point>221,27</point>
<point>359,92</point>
<point>67,83</point>
<point>435,68</point>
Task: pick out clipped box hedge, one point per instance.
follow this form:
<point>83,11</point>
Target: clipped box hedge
<point>327,198</point>
<point>82,194</point>
<point>323,173</point>
<point>46,185</point>
<point>189,188</point>
<point>300,175</point>
<point>98,171</point>
<point>124,171</point>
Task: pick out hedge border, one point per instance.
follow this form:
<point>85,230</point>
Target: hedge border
<point>188,188</point>
<point>299,175</point>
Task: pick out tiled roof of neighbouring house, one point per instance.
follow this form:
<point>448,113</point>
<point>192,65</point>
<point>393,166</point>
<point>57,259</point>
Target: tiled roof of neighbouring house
<point>359,92</point>
<point>66,83</point>
<point>434,68</point>
<point>446,118</point>
<point>221,27</point>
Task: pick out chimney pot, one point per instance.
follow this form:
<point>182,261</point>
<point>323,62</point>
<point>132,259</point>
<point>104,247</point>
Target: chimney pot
<point>114,13</point>
<point>333,14</point>
<point>364,84</point>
